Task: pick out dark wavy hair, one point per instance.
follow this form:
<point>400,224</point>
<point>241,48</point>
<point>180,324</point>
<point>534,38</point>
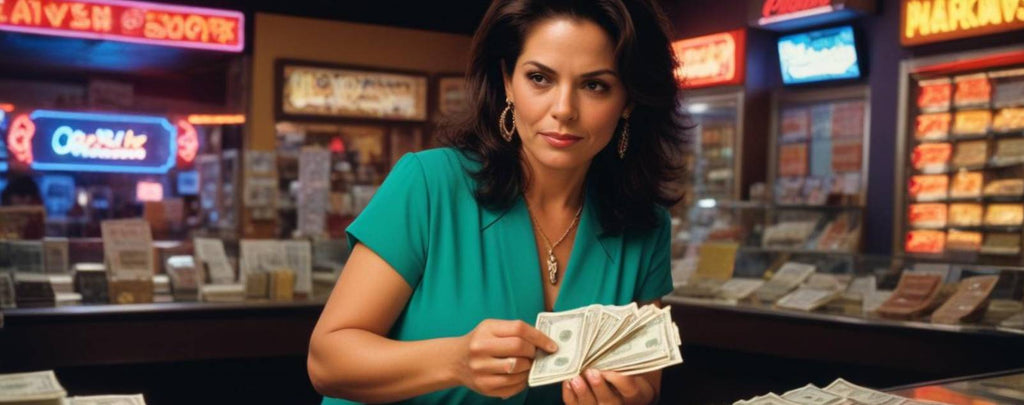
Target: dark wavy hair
<point>627,189</point>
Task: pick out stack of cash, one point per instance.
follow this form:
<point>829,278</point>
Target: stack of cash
<point>136,399</point>
<point>36,388</point>
<point>840,392</point>
<point>610,338</point>
<point>788,278</point>
<point>222,293</point>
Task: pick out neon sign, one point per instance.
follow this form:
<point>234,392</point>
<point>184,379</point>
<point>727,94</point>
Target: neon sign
<point>188,142</point>
<point>711,59</point>
<point>925,21</point>
<point>828,54</point>
<point>149,191</point>
<point>127,21</point>
<point>774,8</point>
<point>57,140</point>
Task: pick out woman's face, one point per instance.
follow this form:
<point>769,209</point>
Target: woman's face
<point>566,93</point>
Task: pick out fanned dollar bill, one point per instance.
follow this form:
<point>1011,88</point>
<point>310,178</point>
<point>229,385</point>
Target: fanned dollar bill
<point>626,339</point>
<point>37,388</point>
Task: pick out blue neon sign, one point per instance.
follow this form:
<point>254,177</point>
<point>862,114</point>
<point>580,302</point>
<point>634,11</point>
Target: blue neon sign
<point>827,54</point>
<point>94,142</point>
<point>3,139</point>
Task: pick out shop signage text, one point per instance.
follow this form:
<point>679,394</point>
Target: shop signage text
<point>773,8</point>
<point>715,59</point>
<point>57,140</point>
<point>127,21</point>
<point>925,21</point>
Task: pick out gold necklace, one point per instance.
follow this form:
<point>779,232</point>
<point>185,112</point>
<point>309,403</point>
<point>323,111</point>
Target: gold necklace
<point>552,262</point>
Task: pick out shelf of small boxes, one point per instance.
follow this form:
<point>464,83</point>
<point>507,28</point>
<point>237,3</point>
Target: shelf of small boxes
<point>920,300</point>
<point>966,188</point>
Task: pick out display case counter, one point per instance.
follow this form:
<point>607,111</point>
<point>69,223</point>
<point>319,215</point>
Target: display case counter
<point>1004,387</point>
<point>90,335</point>
<point>845,340</point>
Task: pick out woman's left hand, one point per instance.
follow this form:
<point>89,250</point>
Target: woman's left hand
<point>607,387</point>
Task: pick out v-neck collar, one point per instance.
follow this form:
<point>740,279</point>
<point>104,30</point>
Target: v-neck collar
<point>590,222</point>
<point>524,268</point>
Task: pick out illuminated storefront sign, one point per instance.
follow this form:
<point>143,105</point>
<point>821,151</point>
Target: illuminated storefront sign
<point>926,21</point>
<point>149,191</point>
<point>794,14</point>
<point>775,10</point>
<point>828,54</point>
<point>714,59</point>
<point>188,142</point>
<point>58,140</point>
<point>127,21</point>
<point>216,119</point>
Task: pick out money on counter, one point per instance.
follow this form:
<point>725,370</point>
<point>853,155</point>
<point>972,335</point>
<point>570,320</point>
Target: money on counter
<point>740,288</point>
<point>789,277</point>
<point>840,392</point>
<point>806,299</point>
<point>37,388</point>
<point>136,399</point>
<point>811,395</point>
<point>625,338</point>
<point>860,394</point>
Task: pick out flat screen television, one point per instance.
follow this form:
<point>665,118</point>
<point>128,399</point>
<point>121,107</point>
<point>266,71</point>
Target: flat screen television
<point>822,55</point>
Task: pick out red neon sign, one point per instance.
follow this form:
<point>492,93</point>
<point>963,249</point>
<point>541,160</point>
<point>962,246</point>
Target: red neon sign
<point>19,139</point>
<point>711,59</point>
<point>127,21</point>
<point>188,142</point>
<point>773,8</point>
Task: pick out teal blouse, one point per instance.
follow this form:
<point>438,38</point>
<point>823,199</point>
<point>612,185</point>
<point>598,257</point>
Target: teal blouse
<point>466,263</point>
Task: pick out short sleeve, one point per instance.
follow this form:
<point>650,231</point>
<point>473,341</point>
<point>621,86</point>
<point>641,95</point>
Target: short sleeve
<point>656,276</point>
<point>395,223</point>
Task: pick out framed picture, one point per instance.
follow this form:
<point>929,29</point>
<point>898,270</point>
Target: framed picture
<point>314,91</point>
<point>451,94</point>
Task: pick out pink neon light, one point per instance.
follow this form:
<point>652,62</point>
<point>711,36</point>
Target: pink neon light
<point>188,142</point>
<point>149,191</point>
<point>124,15</point>
<point>19,139</point>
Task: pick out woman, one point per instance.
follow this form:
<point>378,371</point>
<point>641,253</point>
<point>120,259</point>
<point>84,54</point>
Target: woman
<point>548,198</point>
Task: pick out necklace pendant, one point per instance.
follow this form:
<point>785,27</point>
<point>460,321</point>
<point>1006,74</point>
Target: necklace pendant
<point>552,269</point>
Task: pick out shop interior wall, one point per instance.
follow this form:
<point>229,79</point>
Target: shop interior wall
<point>690,18</point>
<point>344,43</point>
<point>278,37</point>
<point>880,33</point>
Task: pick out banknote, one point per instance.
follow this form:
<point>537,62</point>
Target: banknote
<point>40,387</point>
<point>625,338</point>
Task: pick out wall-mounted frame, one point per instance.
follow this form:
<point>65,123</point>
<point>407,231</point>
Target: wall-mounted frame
<point>451,95</point>
<point>317,91</point>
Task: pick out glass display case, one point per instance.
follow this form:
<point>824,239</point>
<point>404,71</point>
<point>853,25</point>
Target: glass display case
<point>850,287</point>
<point>1006,387</point>
<point>961,158</point>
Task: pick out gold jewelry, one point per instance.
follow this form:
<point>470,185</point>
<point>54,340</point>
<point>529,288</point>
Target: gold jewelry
<point>505,131</point>
<point>624,137</point>
<point>552,262</point>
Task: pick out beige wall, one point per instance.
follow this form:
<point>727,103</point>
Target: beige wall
<point>278,36</point>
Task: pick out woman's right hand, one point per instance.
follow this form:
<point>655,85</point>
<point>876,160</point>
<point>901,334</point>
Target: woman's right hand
<point>496,356</point>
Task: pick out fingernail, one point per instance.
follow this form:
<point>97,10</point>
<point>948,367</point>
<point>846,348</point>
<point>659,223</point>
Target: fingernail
<point>593,375</point>
<point>577,382</point>
<point>552,348</point>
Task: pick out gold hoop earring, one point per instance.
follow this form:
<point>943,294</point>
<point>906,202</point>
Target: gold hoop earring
<point>505,131</point>
<point>624,138</point>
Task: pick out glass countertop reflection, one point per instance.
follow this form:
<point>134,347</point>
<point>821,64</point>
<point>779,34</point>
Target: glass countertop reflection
<point>990,389</point>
